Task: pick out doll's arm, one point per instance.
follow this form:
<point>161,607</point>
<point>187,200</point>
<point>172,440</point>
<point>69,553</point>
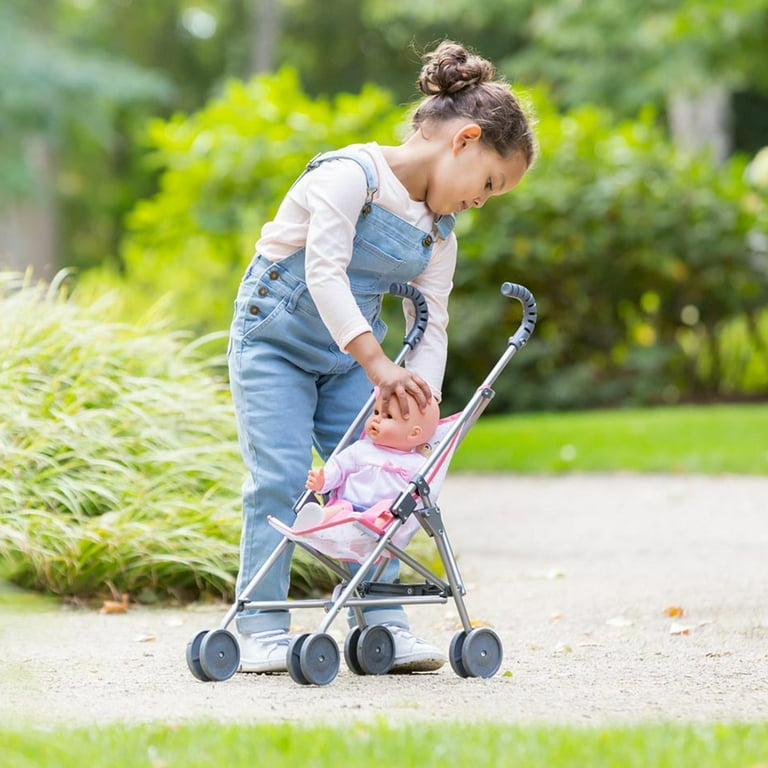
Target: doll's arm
<point>316,479</point>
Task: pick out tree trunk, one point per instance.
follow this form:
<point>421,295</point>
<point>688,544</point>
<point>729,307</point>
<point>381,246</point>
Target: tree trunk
<point>266,32</point>
<point>28,227</point>
<point>702,121</point>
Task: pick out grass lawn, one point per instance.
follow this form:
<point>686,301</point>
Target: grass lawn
<point>374,745</point>
<point>701,439</point>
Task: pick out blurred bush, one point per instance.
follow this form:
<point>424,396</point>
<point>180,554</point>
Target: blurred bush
<point>641,257</point>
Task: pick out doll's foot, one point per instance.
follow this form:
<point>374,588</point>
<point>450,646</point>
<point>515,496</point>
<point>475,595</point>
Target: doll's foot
<point>310,515</point>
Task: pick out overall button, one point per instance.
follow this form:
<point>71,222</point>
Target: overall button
<point>263,291</point>
<point>273,274</point>
<point>253,309</point>
<point>427,241</point>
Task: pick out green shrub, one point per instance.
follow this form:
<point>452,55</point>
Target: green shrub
<point>639,256</point>
<point>119,464</point>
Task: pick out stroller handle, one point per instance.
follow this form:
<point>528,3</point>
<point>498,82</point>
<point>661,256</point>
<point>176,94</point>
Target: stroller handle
<point>528,323</point>
<point>414,336</point>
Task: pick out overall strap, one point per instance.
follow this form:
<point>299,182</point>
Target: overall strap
<point>364,163</point>
<point>444,225</point>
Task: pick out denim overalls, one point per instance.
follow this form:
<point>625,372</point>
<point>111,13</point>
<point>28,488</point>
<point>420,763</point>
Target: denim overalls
<point>292,386</point>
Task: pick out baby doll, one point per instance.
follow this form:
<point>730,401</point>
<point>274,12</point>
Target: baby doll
<point>375,468</point>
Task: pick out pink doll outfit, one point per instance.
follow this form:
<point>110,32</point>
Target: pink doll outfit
<point>364,473</point>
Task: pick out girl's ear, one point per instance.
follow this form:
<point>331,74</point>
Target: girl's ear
<point>466,135</point>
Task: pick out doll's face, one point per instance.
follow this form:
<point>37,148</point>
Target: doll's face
<point>388,428</point>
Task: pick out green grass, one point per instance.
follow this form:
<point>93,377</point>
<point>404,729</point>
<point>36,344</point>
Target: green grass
<point>699,439</point>
<point>377,744</point>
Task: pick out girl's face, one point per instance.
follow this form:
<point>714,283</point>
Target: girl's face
<point>470,172</point>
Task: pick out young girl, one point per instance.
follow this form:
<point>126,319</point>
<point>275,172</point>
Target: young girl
<point>305,349</point>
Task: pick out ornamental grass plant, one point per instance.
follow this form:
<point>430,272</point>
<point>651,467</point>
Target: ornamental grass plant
<point>119,465</point>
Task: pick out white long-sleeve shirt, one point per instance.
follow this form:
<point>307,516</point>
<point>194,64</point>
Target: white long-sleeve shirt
<point>320,213</point>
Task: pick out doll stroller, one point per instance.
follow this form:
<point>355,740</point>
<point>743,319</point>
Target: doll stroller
<point>370,538</point>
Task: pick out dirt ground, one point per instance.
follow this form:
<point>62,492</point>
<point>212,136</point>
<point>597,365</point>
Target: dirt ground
<point>581,576</point>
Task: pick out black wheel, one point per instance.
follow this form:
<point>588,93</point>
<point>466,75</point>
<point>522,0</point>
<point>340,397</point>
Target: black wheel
<point>481,653</point>
<point>319,659</point>
<point>350,651</point>
<point>376,650</point>
<point>294,659</point>
<point>454,653</point>
<point>219,654</point>
<point>193,657</point>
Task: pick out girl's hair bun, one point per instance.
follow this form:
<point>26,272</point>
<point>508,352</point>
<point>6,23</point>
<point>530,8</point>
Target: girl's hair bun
<point>450,68</point>
<point>459,85</point>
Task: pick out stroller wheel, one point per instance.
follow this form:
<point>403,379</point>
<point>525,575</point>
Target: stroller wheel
<point>193,657</point>
<point>219,654</point>
<point>454,653</point>
<point>481,653</point>
<point>376,650</point>
<point>350,651</point>
<point>294,659</point>
<point>313,659</point>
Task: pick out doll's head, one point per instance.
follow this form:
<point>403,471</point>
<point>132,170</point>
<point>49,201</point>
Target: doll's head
<point>389,429</point>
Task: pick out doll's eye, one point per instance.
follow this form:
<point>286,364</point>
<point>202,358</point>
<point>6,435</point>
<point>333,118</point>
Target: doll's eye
<point>489,185</point>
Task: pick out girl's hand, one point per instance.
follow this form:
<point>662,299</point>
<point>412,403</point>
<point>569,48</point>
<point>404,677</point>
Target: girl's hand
<point>397,382</point>
<point>315,479</point>
<point>391,379</point>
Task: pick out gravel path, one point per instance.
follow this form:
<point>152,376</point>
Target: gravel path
<point>578,575</point>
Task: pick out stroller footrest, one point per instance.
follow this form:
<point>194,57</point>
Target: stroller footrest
<point>403,590</point>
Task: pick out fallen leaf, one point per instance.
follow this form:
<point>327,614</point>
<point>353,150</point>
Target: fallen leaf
<point>115,606</point>
<point>556,616</point>
<point>678,628</point>
<point>674,611</point>
<point>145,639</point>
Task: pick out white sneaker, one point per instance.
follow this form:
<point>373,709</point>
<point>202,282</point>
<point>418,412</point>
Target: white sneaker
<point>412,654</point>
<point>264,651</point>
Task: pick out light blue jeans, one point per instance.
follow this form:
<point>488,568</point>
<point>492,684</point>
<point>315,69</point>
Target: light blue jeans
<point>293,388</point>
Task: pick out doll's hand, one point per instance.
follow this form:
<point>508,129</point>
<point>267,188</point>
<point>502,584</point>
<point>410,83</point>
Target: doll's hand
<point>315,479</point>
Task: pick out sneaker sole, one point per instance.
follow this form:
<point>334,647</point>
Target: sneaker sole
<point>416,665</point>
<point>261,669</point>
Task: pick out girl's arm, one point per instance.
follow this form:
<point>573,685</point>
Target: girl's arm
<point>335,193</point>
<point>392,380</point>
<point>435,284</point>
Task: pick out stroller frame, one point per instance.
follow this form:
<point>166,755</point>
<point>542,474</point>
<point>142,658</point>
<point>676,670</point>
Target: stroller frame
<point>313,658</point>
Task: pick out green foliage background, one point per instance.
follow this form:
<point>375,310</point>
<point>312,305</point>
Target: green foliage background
<point>641,255</point>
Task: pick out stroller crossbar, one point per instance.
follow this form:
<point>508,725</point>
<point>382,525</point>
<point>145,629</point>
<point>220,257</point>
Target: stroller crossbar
<point>370,539</point>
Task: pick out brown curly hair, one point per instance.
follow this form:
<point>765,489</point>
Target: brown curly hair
<point>457,83</point>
